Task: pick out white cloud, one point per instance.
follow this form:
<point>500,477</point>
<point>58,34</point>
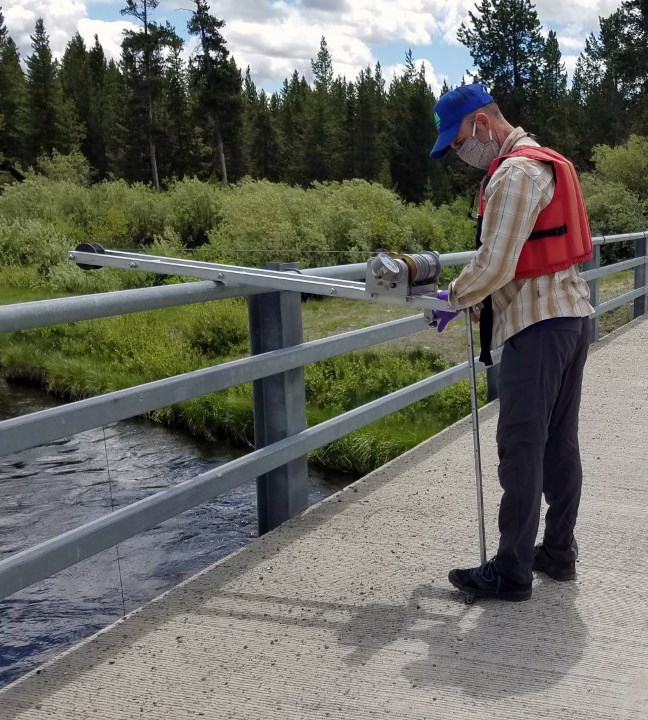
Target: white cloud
<point>581,12</point>
<point>570,64</point>
<point>275,37</point>
<point>276,53</point>
<point>571,44</point>
<point>435,81</point>
<point>61,19</point>
<point>110,34</point>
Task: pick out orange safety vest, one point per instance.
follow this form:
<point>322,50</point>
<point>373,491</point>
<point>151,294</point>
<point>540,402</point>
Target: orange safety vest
<point>561,236</point>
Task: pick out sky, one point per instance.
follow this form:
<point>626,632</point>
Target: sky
<point>275,37</point>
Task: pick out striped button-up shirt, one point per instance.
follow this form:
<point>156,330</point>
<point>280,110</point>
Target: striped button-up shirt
<point>518,190</point>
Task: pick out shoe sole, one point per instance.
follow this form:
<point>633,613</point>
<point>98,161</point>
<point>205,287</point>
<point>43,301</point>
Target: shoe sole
<point>560,577</point>
<point>512,596</point>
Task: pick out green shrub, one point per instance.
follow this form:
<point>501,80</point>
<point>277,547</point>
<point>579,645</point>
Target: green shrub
<point>61,203</point>
<point>32,243</point>
<point>261,223</point>
<point>334,383</point>
<point>19,276</point>
<point>612,207</point>
<point>626,164</point>
<point>73,168</point>
<point>329,224</point>
<point>144,208</point>
<point>361,217</point>
<point>195,210</point>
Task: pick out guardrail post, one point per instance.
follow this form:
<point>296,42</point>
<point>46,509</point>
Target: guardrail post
<point>640,276</point>
<point>594,264</point>
<point>279,403</point>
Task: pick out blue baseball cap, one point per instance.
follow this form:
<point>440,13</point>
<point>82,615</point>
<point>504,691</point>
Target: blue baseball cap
<point>451,109</point>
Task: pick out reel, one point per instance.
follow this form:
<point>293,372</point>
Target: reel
<point>403,275</point>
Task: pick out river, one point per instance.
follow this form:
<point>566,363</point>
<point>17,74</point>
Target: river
<point>56,487</point>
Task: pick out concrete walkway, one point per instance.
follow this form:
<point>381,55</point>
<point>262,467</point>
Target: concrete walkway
<point>346,612</point>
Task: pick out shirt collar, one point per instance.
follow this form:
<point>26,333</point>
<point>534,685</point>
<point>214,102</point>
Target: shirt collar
<point>514,138</point>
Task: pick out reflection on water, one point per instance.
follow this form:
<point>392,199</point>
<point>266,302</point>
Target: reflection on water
<point>56,487</point>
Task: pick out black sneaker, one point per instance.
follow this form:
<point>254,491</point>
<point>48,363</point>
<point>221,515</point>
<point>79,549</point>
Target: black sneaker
<point>485,581</point>
<point>556,570</point>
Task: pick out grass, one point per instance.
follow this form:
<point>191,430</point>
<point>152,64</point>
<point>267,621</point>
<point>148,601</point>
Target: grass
<point>322,318</point>
<point>611,287</point>
<point>11,295</point>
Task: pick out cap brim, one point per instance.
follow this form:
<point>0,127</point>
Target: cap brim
<point>442,145</point>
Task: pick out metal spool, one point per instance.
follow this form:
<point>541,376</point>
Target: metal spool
<point>422,266</point>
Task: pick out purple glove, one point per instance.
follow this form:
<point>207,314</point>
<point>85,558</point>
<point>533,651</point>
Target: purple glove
<point>442,317</point>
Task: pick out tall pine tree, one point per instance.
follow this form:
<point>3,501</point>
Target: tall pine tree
<point>106,104</point>
<point>178,138</point>
<point>143,63</point>
<point>52,121</point>
<point>216,82</point>
<point>556,113</point>
<point>75,82</point>
<point>600,88</point>
<point>13,101</point>
<point>369,142</point>
<point>295,101</point>
<point>632,60</point>
<point>504,40</point>
<point>320,126</point>
<point>412,128</point>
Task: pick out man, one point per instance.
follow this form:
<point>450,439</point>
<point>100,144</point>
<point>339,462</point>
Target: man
<point>532,231</point>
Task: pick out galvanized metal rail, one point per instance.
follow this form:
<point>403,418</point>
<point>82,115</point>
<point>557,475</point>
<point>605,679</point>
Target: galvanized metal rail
<point>277,371</point>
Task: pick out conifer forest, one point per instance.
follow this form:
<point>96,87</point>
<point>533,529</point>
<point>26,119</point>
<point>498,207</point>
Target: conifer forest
<point>153,117</point>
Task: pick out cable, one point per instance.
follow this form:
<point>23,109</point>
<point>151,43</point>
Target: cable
<point>112,509</point>
<point>112,502</point>
<point>240,251</point>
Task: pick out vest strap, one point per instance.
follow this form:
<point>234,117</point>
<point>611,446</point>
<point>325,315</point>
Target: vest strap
<point>486,315</point>
<point>486,331</point>
<point>549,232</point>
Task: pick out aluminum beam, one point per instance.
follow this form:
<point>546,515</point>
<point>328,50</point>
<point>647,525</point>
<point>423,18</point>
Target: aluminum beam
<point>613,269</point>
<point>233,276</point>
<point>621,300</point>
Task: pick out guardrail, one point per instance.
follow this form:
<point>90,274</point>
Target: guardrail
<point>276,368</point>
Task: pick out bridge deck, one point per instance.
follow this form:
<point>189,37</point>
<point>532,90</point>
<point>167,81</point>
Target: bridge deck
<point>346,612</point>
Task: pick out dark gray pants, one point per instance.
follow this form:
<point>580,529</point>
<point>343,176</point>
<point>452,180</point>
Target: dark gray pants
<point>539,391</point>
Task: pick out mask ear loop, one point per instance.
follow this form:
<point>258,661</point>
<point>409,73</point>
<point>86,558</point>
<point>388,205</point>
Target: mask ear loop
<point>490,130</point>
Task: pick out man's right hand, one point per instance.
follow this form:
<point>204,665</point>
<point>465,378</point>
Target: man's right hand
<point>442,317</point>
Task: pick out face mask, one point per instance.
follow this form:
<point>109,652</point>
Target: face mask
<point>479,154</point>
